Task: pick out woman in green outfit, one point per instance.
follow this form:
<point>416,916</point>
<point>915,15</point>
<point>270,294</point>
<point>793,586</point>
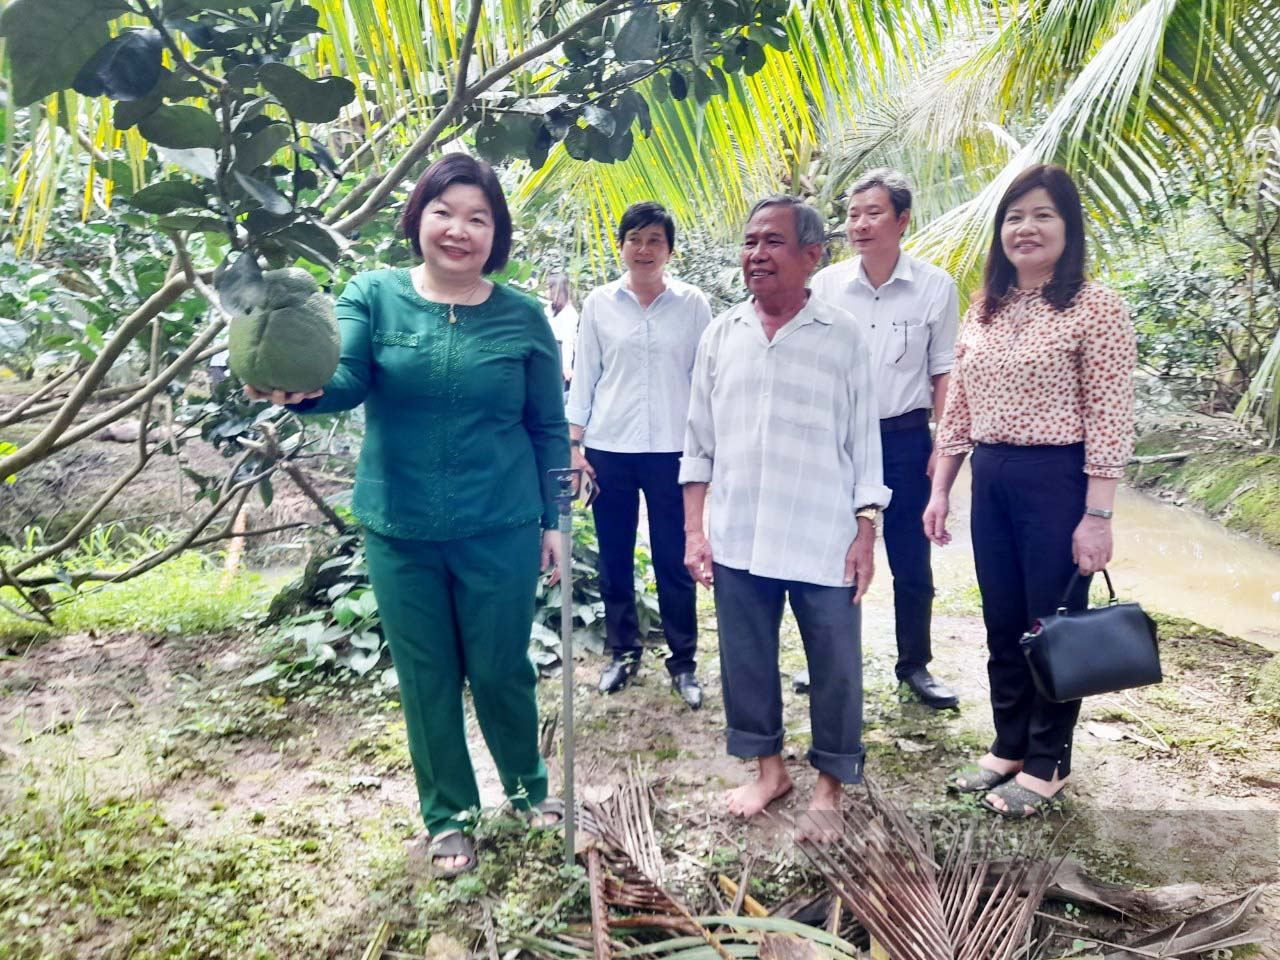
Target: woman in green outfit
<point>461,383</point>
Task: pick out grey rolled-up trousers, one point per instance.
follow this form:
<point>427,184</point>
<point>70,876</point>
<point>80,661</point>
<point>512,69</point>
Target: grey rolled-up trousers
<point>749,616</point>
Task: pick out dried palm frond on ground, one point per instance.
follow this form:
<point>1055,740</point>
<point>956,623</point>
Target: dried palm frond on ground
<point>885,871</point>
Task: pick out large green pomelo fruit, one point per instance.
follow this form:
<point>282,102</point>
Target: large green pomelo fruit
<point>289,343</point>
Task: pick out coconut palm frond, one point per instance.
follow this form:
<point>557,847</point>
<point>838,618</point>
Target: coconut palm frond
<point>884,869</point>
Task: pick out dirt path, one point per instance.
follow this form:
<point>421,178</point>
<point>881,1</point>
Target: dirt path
<point>151,806</point>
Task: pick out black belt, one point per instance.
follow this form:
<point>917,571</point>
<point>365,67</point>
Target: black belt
<point>910,420</point>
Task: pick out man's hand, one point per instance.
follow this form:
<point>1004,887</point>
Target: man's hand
<point>860,561</point>
<point>697,557</point>
<point>578,459</point>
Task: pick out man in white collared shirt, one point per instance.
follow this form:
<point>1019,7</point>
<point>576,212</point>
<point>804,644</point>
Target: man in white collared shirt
<point>627,405</point>
<point>784,429</point>
<point>908,310</point>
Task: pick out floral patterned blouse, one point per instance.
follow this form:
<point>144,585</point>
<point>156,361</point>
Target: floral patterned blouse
<point>1037,376</point>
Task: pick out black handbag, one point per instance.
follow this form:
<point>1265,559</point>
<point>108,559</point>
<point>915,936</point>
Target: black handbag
<point>1081,653</point>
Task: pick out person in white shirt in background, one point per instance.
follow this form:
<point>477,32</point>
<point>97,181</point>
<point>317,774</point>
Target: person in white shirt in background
<point>627,407</point>
<point>908,311</point>
<point>784,428</point>
<point>563,317</point>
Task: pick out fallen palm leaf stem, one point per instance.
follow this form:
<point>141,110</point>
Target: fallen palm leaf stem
<point>1213,928</point>
<point>378,943</point>
<point>735,890</point>
<point>884,870</point>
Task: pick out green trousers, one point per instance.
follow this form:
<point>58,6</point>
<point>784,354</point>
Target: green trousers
<point>455,611</point>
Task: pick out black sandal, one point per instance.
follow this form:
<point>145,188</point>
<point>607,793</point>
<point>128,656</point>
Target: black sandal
<point>1019,800</point>
<point>452,843</point>
<point>550,807</point>
<point>977,779</point>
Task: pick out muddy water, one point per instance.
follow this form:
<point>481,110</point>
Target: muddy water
<point>1169,558</point>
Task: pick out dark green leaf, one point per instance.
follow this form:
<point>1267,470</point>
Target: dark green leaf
<point>753,59</point>
<point>702,87</point>
<point>241,287</point>
<point>558,123</point>
<point>181,8</point>
<point>313,101</point>
<point>167,196</point>
<point>242,77</point>
<point>300,22</point>
<point>175,87</point>
<point>192,223</point>
<point>265,491</point>
<point>576,145</point>
<point>600,146</point>
<point>118,172</point>
<point>127,67</point>
<point>197,31</point>
<point>266,195</point>
<point>129,112</point>
<point>621,145</point>
<point>322,158</point>
<point>311,241</point>
<point>720,80</point>
<point>491,140</point>
<point>48,41</point>
<point>600,118</point>
<point>576,52</point>
<point>679,85</point>
<point>181,128</point>
<point>640,36</point>
<point>254,151</point>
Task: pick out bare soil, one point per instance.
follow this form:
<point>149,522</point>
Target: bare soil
<point>1172,784</point>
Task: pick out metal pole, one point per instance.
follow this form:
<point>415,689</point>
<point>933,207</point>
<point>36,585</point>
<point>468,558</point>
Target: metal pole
<point>564,500</point>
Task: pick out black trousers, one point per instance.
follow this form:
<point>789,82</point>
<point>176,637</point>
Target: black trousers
<point>906,460</point>
<point>749,615</point>
<point>1027,502</point>
<point>622,477</point>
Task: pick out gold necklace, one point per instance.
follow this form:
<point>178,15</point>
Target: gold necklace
<point>453,316</point>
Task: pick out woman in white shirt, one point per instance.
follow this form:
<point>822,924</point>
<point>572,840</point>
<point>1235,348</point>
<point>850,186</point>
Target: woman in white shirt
<point>628,403</point>
<point>564,321</point>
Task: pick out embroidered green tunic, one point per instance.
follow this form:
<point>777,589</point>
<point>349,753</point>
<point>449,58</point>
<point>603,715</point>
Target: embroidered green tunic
<point>464,410</point>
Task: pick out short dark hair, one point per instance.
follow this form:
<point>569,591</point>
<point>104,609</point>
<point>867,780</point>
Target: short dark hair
<point>810,227</point>
<point>1068,272</point>
<point>440,176</point>
<point>646,213</point>
<point>895,184</point>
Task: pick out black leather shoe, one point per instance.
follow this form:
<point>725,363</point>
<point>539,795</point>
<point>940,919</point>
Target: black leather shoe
<point>690,690</point>
<point>617,675</point>
<point>800,682</point>
<point>929,691</point>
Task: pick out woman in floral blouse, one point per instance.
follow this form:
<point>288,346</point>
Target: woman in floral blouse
<point>1042,393</point>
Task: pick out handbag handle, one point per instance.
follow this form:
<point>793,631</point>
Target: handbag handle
<point>1071,585</point>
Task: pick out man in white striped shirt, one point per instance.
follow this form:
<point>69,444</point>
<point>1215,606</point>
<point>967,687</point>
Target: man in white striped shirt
<point>784,429</point>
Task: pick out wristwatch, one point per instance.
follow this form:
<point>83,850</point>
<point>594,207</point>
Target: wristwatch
<point>575,443</point>
<point>867,513</point>
<point>1097,512</point>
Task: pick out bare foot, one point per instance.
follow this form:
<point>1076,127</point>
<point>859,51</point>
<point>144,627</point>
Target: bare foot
<point>989,761</point>
<point>822,822</point>
<point>1046,788</point>
<point>771,783</point>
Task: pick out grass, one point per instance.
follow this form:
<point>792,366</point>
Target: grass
<point>189,594</point>
<point>73,863</point>
<point>1238,486</point>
